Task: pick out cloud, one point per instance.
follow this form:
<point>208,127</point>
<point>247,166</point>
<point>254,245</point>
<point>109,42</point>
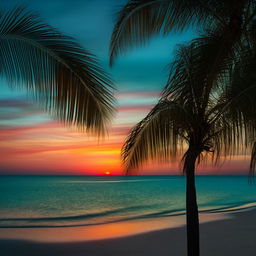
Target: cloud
<point>17,103</point>
<point>18,111</point>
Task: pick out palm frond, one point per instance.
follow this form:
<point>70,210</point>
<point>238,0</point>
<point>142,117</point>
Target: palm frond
<point>240,96</point>
<point>201,67</point>
<point>66,79</point>
<point>138,20</point>
<point>161,134</point>
<point>233,118</point>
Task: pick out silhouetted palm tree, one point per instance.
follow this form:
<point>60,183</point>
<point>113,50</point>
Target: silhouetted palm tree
<point>231,24</point>
<point>64,78</point>
<point>198,117</point>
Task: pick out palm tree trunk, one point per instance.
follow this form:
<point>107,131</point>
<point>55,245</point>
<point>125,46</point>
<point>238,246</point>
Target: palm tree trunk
<point>191,205</point>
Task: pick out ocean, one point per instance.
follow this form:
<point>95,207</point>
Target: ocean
<point>70,201</point>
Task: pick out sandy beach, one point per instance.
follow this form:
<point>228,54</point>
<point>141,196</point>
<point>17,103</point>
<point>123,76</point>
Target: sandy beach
<point>232,236</point>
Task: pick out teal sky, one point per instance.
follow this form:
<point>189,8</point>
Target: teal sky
<point>91,23</point>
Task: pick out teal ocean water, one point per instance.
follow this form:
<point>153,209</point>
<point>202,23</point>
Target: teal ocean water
<point>57,201</point>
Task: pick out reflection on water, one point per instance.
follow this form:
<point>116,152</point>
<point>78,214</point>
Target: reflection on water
<point>97,232</point>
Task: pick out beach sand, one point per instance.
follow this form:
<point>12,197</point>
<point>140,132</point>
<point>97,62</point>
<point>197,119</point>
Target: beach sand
<point>233,236</point>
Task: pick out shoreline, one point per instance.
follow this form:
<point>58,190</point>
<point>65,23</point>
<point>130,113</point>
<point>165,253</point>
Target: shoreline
<point>233,235</point>
<point>111,230</point>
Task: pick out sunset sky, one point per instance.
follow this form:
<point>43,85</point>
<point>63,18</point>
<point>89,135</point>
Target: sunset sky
<point>33,143</point>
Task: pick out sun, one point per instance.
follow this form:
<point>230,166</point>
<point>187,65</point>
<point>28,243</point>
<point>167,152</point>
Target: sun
<point>107,173</point>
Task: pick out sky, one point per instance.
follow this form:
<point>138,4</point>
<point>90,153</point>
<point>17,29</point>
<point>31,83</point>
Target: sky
<point>31,142</point>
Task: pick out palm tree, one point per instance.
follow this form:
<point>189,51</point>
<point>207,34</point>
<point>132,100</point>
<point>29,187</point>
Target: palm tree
<point>57,71</point>
<point>231,24</point>
<point>197,118</point>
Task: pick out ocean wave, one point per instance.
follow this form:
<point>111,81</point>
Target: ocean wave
<point>69,221</point>
<point>82,216</point>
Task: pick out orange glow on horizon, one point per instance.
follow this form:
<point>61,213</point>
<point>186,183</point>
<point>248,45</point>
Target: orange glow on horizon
<point>50,148</point>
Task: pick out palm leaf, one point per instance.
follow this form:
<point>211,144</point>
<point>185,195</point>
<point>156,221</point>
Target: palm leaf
<point>237,106</point>
<point>64,78</point>
<point>160,134</point>
<point>138,20</point>
<point>201,68</point>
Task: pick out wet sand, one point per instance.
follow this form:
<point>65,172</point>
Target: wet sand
<point>234,236</point>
